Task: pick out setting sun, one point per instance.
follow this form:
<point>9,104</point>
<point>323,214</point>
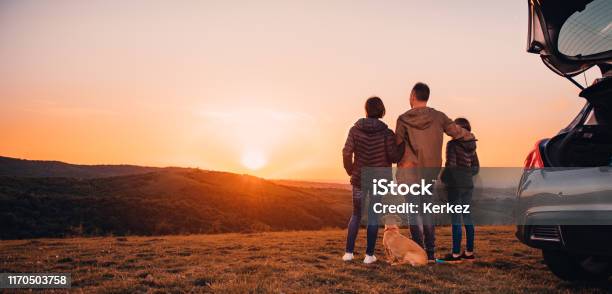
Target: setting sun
<point>253,160</point>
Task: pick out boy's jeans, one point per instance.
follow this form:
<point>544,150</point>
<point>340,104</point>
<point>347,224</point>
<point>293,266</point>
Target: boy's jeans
<point>353,225</point>
<point>461,196</point>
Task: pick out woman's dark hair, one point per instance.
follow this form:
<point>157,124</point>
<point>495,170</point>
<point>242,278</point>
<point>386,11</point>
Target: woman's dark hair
<point>464,123</point>
<point>374,107</point>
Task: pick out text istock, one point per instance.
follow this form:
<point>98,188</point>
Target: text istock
<point>384,187</point>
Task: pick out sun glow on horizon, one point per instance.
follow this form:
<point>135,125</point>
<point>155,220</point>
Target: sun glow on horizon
<point>253,159</point>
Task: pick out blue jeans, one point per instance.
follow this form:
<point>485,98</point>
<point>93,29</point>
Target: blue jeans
<point>461,196</point>
<point>355,221</point>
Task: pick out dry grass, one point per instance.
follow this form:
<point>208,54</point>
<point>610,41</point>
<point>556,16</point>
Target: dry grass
<point>287,262</point>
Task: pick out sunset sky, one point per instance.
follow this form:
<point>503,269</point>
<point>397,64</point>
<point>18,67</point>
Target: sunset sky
<point>268,88</point>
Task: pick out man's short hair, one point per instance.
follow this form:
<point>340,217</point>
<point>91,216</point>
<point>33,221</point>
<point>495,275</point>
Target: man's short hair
<point>421,91</point>
<point>374,107</point>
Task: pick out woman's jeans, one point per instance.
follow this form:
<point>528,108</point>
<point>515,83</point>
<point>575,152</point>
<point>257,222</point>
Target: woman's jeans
<point>353,225</point>
<point>461,196</point>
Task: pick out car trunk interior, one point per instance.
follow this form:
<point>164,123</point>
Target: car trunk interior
<point>590,143</point>
<point>586,146</point>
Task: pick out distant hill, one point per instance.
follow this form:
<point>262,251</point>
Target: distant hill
<point>307,184</point>
<point>40,168</point>
<point>165,201</point>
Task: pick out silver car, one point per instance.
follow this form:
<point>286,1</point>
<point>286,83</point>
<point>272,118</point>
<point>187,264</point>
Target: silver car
<point>565,193</point>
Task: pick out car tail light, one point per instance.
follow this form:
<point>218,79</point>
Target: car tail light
<point>534,158</point>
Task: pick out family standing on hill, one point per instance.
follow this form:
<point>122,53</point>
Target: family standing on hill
<point>416,144</point>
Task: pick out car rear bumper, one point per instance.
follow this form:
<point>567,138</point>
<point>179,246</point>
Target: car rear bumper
<point>568,209</point>
<point>580,239</point>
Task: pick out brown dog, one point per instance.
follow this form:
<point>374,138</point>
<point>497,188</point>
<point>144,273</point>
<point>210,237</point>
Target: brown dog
<point>400,249</point>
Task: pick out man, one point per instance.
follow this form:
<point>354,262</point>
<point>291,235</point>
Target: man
<point>422,129</point>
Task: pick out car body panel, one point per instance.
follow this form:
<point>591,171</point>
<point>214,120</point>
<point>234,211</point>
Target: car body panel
<point>561,197</point>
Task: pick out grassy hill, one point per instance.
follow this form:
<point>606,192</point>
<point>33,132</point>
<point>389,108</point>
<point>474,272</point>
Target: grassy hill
<point>166,201</point>
<point>41,168</point>
<point>288,262</point>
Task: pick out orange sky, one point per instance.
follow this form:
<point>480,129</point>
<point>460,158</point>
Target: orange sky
<point>271,84</point>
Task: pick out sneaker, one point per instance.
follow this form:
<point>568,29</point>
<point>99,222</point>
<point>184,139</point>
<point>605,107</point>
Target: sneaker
<point>347,256</point>
<point>450,258</point>
<point>369,259</point>
<point>468,257</point>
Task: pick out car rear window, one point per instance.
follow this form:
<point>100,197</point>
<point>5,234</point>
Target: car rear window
<point>589,31</point>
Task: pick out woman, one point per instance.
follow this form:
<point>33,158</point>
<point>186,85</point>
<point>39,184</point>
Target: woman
<point>370,143</point>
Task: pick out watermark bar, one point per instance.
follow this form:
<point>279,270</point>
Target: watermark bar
<point>558,196</point>
<point>35,280</point>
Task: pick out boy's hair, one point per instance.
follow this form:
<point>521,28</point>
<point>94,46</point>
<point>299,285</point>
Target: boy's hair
<point>374,107</point>
<point>421,91</point>
<point>464,123</point>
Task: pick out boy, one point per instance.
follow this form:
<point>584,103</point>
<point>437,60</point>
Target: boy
<point>461,165</point>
